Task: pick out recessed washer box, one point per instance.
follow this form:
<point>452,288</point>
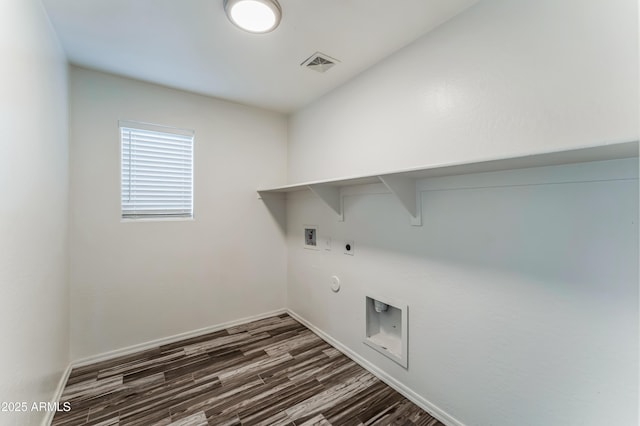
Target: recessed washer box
<point>311,237</point>
<point>386,328</point>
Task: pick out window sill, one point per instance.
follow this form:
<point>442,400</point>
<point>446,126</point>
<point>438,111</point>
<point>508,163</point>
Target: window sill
<point>157,219</point>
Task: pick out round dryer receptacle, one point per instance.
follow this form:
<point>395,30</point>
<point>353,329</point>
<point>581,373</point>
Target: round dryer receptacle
<point>335,284</point>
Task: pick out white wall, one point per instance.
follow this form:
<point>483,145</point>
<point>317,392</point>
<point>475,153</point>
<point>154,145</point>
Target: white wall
<point>522,289</point>
<point>134,282</point>
<point>506,77</point>
<point>34,320</point>
<point>522,286</point>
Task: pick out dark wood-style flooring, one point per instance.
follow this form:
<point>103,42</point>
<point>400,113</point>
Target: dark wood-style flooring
<point>269,372</point>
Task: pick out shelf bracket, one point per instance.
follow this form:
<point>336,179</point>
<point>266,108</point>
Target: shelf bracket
<point>331,196</point>
<point>405,191</point>
<point>276,204</point>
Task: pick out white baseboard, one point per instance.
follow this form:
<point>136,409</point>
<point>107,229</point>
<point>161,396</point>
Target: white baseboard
<point>395,384</point>
<point>148,345</point>
<point>48,417</point>
<point>170,339</point>
<point>410,394</point>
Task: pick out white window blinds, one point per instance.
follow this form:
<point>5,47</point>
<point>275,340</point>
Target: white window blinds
<point>157,171</point>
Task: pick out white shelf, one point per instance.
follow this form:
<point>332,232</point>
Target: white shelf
<point>402,183</point>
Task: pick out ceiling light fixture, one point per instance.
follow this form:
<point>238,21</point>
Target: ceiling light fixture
<point>255,16</point>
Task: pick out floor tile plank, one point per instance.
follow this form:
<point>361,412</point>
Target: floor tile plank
<point>269,372</point>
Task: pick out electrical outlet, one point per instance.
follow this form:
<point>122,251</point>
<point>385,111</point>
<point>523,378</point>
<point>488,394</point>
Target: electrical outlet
<point>349,248</point>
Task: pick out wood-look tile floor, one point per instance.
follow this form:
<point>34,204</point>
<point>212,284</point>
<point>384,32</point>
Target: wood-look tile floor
<point>269,372</point>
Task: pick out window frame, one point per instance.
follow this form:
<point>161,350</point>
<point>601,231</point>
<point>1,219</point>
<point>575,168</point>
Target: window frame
<point>167,130</point>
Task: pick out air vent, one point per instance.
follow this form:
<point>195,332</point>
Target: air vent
<point>319,62</point>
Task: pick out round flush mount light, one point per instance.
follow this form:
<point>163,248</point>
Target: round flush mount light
<point>255,16</point>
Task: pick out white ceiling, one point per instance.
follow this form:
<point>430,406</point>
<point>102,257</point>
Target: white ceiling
<point>190,44</point>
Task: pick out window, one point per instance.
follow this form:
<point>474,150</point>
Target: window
<point>157,171</point>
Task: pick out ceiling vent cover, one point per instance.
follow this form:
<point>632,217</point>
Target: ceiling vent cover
<point>319,62</point>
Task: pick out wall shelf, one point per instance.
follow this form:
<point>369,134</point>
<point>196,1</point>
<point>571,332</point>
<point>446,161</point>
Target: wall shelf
<point>402,183</point>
